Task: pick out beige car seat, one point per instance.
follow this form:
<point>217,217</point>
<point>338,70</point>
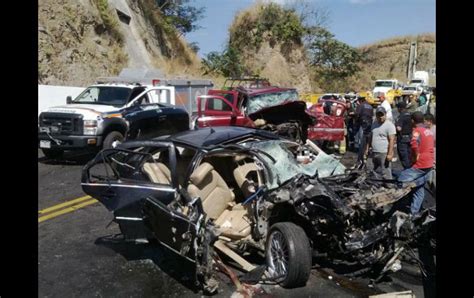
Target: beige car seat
<point>207,184</point>
<point>157,172</point>
<point>217,199</point>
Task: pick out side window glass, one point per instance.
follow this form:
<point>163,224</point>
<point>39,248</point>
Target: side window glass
<point>216,104</point>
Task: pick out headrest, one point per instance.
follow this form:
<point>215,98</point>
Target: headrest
<point>200,173</point>
<point>240,157</point>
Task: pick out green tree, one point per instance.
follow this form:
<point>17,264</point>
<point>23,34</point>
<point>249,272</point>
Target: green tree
<point>181,14</point>
<point>227,63</point>
<point>330,57</point>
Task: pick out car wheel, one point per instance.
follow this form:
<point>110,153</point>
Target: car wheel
<point>111,138</point>
<point>288,255</point>
<point>53,153</point>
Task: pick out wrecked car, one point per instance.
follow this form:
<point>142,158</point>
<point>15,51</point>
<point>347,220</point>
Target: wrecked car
<point>271,108</point>
<point>329,114</point>
<point>238,191</point>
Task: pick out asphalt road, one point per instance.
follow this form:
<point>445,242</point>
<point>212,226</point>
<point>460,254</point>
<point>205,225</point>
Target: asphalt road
<point>78,255</point>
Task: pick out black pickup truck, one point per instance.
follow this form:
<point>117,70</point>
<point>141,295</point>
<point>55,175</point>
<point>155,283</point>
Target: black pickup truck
<point>105,113</point>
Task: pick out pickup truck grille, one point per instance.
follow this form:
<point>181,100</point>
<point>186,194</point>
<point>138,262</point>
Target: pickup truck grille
<point>61,123</point>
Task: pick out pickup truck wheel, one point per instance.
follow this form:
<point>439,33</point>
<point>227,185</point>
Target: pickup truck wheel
<point>112,137</point>
<point>53,153</point>
<point>288,254</point>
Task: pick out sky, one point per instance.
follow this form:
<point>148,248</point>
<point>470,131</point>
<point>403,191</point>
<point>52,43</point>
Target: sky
<point>355,22</point>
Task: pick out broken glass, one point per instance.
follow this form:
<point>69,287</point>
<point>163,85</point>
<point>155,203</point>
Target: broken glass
<point>285,165</point>
<point>266,100</point>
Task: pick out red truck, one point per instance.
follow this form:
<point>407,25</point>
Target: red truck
<point>260,105</point>
<point>330,126</point>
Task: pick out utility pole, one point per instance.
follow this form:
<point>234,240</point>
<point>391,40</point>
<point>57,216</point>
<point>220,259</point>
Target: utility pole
<point>411,60</point>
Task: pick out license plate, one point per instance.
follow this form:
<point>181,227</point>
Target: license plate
<point>45,144</point>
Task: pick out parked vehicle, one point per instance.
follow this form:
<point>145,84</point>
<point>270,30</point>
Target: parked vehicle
<point>420,77</point>
<point>276,109</point>
<point>330,125</point>
<point>390,89</point>
<point>412,89</point>
<point>105,113</point>
<point>239,191</point>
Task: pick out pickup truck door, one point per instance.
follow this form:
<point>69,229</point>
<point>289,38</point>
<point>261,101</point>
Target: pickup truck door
<point>144,114</point>
<point>214,110</point>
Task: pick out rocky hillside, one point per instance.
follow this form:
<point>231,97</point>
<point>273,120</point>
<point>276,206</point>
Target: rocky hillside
<point>262,50</point>
<point>389,59</point>
<point>80,40</point>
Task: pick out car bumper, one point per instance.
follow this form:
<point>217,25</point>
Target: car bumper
<point>68,142</point>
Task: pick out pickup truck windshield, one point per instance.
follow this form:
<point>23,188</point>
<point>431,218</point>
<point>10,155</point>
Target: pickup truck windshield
<point>261,101</point>
<point>112,96</point>
<point>383,84</point>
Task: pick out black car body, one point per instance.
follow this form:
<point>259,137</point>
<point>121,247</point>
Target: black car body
<point>236,190</point>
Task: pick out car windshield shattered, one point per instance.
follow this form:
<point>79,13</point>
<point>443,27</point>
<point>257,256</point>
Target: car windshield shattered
<point>285,164</point>
<point>266,100</point>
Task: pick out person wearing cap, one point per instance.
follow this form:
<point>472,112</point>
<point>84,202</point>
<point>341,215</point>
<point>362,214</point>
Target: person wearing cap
<point>388,108</point>
<point>363,122</point>
<point>422,145</point>
<point>381,141</point>
<point>404,130</point>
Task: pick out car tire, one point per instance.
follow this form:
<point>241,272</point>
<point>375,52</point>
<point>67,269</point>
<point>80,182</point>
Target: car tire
<point>53,153</point>
<point>111,138</point>
<point>297,254</point>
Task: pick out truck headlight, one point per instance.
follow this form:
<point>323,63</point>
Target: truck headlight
<point>90,127</point>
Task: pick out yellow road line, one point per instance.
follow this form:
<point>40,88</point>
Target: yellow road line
<point>66,210</point>
<point>59,206</point>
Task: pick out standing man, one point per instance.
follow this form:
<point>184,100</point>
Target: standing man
<point>363,119</point>
<point>382,139</point>
<point>412,104</point>
<point>422,145</point>
<point>386,105</point>
<point>404,130</point>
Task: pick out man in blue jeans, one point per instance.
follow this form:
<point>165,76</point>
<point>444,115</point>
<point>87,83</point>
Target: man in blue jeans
<point>422,145</point>
<point>404,131</point>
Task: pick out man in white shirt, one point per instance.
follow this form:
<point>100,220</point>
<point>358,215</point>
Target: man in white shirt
<point>386,105</point>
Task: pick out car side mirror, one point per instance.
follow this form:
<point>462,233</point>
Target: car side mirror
<point>68,99</point>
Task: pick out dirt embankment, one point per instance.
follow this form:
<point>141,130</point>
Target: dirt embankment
<point>388,59</point>
<point>283,63</point>
<point>81,40</point>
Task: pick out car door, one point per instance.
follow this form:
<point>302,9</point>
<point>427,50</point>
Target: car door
<point>116,177</point>
<point>214,110</point>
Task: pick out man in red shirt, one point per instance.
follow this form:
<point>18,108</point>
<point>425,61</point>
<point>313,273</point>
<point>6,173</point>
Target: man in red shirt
<point>422,146</point>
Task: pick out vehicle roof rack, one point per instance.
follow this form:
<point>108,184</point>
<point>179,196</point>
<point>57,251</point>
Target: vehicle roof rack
<point>117,80</point>
<point>253,82</point>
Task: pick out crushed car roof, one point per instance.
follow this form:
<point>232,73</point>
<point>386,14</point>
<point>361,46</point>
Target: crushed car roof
<point>211,136</point>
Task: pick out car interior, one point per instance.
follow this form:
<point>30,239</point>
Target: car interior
<point>223,182</point>
<point>223,189</point>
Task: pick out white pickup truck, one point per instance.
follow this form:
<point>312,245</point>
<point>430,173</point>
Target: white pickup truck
<point>105,113</point>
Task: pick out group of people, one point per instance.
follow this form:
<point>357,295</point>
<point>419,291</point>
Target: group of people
<point>414,134</point>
